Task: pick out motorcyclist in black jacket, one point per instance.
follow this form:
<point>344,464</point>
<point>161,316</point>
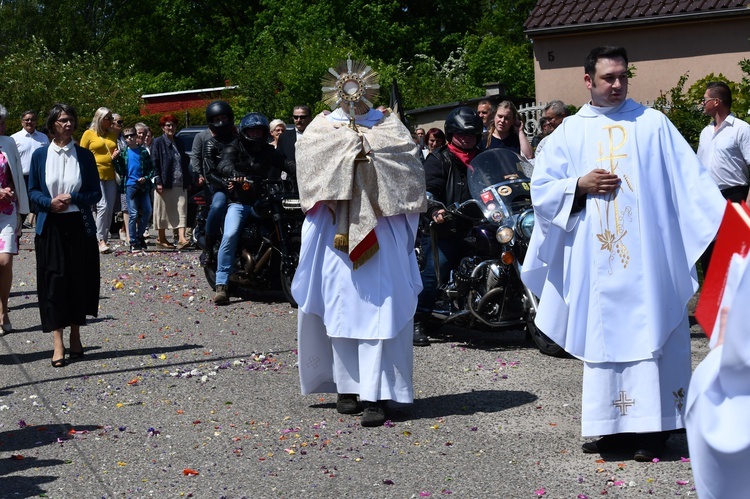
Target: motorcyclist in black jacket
<point>445,176</point>
<point>220,119</point>
<point>246,162</point>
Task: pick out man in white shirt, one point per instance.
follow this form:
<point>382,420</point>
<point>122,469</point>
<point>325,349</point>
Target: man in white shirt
<point>28,140</point>
<point>725,143</point>
<point>724,148</point>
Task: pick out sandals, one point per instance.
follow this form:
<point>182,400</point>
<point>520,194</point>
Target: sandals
<point>166,245</point>
<point>59,362</point>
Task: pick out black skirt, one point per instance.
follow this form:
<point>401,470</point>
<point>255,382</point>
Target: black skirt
<point>67,272</point>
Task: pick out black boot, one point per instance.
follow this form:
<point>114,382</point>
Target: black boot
<point>420,331</point>
<point>207,258</point>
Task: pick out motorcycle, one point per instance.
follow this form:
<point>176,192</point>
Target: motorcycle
<point>485,288</point>
<point>268,247</point>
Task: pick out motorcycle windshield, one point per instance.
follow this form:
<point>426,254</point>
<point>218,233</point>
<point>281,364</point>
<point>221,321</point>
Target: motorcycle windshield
<point>497,181</point>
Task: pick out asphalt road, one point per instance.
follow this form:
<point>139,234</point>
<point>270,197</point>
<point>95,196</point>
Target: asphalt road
<point>179,398</point>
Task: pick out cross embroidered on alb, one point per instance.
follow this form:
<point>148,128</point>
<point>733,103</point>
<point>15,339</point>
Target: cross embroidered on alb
<point>313,362</point>
<point>623,403</point>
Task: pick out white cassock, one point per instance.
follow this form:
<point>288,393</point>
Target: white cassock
<point>614,277</point>
<point>355,327</point>
<point>718,405</point>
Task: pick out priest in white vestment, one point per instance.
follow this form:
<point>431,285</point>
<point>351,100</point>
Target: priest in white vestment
<point>718,404</point>
<point>357,281</point>
<point>623,210</point>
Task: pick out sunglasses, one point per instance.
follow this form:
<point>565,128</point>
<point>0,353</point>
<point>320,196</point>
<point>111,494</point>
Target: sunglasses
<point>129,135</point>
<point>119,122</point>
<point>300,117</point>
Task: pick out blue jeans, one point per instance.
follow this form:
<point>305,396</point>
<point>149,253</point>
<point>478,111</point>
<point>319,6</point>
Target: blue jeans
<point>138,202</point>
<point>216,213</point>
<point>237,215</point>
<point>449,254</point>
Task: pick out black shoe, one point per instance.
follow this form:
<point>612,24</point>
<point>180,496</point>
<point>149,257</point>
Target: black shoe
<point>346,403</point>
<point>650,446</point>
<point>618,442</point>
<point>420,338</point>
<point>135,248</point>
<point>27,225</point>
<point>374,414</point>
<point>59,362</point>
<point>207,257</point>
<point>72,355</point>
<point>142,243</point>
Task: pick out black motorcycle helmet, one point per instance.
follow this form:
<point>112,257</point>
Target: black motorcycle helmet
<point>254,120</point>
<point>218,108</point>
<point>463,120</point>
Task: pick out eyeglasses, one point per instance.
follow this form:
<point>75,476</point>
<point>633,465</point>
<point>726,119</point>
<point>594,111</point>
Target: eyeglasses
<point>29,120</point>
<point>64,121</point>
<point>300,117</point>
<point>705,101</point>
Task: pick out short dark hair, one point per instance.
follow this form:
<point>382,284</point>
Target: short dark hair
<point>606,52</point>
<point>57,110</point>
<point>304,108</point>
<point>438,133</point>
<point>721,91</point>
<point>29,111</point>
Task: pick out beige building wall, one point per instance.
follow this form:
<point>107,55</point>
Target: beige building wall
<point>660,54</point>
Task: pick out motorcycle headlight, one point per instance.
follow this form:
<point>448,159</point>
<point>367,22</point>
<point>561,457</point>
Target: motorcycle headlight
<point>526,224</point>
<point>504,235</point>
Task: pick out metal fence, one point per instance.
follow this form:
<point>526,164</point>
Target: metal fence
<point>532,113</point>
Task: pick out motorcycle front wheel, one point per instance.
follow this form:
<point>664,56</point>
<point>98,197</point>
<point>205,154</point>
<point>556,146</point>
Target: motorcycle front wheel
<point>210,272</point>
<point>543,342</point>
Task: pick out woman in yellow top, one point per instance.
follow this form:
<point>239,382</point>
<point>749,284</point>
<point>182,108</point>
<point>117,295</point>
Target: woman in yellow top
<point>101,140</point>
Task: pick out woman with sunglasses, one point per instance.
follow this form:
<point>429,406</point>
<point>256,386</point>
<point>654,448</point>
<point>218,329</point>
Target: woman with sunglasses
<point>101,140</point>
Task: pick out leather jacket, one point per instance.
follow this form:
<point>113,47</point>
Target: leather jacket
<point>445,178</point>
<point>239,161</point>
<point>212,151</point>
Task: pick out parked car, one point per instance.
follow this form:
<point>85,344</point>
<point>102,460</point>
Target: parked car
<point>186,136</point>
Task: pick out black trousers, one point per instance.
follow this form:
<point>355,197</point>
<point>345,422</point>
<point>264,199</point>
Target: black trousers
<point>734,194</point>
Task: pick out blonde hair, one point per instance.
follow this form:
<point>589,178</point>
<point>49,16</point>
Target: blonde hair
<point>96,122</point>
<point>506,104</point>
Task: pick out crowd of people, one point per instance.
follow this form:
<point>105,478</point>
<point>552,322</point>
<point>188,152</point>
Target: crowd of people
<point>613,256</point>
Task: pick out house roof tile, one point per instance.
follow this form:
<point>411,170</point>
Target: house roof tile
<point>561,14</point>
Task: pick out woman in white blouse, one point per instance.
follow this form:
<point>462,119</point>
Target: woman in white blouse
<point>64,184</point>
